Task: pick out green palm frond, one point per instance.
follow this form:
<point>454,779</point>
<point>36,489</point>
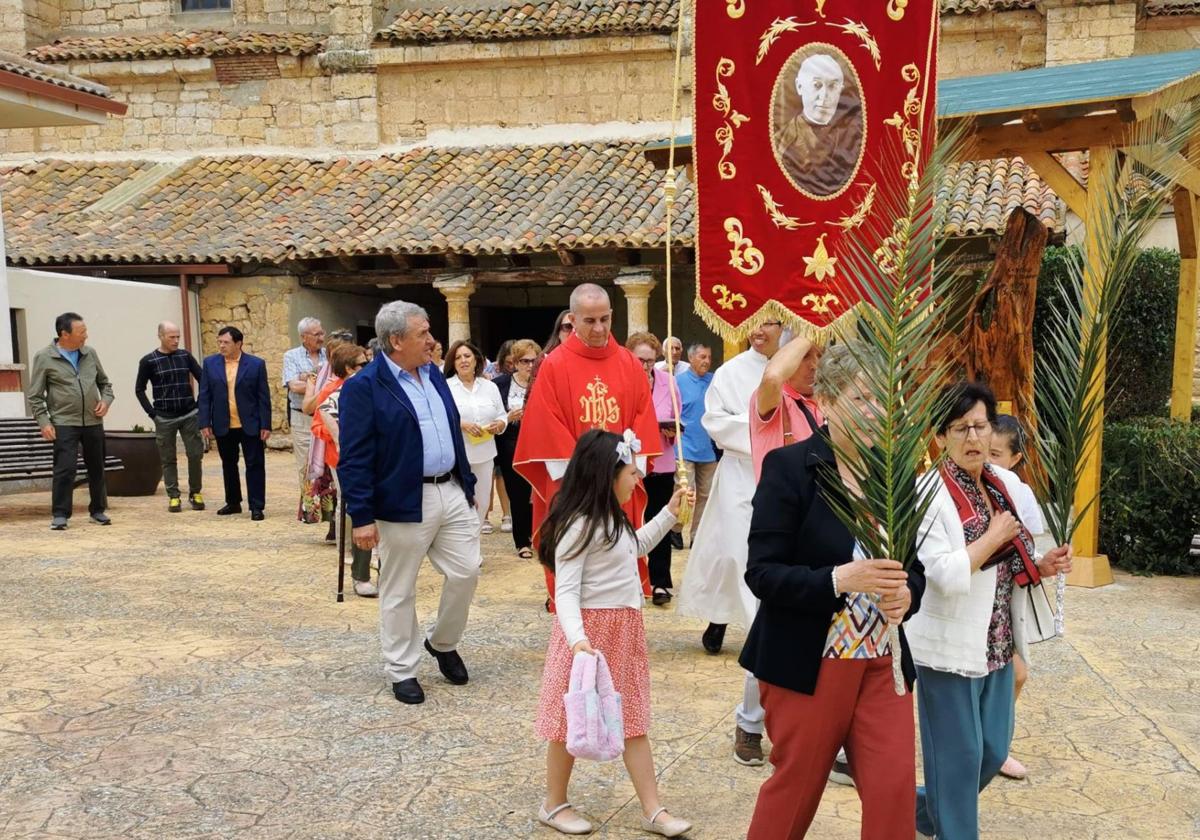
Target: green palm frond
<point>1067,372</point>
<point>906,289</point>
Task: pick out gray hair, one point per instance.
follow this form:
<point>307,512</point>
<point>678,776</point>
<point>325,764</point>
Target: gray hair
<point>307,324</point>
<point>163,326</point>
<point>696,347</point>
<point>584,291</point>
<point>840,365</point>
<point>393,319</point>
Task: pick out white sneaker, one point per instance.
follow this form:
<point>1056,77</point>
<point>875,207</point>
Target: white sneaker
<point>365,589</point>
<point>506,525</point>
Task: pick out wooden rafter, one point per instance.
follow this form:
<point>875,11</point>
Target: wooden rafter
<point>1176,167</point>
<point>1060,179</point>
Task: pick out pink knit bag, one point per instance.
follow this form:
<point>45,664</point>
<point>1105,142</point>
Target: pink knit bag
<point>595,726</point>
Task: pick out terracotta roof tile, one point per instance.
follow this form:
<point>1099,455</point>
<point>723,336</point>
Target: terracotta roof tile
<point>532,19</point>
<point>973,7</point>
<point>978,197</point>
<point>44,73</point>
<point>469,201</point>
<point>182,44</point>
<point>1156,8</point>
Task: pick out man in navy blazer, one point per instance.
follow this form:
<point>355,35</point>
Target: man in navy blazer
<point>235,408</point>
<point>409,489</point>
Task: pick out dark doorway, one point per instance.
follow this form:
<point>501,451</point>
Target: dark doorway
<point>494,325</point>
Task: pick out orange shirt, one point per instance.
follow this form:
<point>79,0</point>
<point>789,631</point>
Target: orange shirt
<point>231,369</point>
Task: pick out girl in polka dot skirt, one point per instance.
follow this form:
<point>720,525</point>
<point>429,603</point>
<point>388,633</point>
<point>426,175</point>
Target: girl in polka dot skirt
<point>592,548</point>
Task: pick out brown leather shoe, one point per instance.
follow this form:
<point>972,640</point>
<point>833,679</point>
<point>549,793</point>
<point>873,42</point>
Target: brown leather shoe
<point>747,748</point>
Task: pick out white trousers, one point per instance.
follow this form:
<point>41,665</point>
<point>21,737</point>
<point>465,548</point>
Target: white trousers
<point>301,425</point>
<point>448,534</point>
<point>483,487</point>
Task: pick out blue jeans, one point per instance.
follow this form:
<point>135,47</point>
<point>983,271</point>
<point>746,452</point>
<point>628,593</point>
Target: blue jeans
<point>966,730</point>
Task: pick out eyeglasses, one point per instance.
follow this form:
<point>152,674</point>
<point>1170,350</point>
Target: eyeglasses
<point>647,362</point>
<point>526,361</point>
<point>772,323</point>
<point>360,363</point>
<point>981,430</point>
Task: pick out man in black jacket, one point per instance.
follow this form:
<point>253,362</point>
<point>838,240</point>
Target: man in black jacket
<point>170,371</point>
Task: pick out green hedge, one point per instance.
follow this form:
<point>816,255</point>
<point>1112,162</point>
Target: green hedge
<point>1150,504</point>
<point>1141,341</point>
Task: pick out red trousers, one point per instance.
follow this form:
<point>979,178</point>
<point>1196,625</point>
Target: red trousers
<point>854,705</point>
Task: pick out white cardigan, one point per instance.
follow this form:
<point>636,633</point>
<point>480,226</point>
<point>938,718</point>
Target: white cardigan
<point>480,405</point>
<point>949,632</point>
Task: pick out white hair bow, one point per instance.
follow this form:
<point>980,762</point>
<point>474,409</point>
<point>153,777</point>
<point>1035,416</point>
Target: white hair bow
<point>628,447</point>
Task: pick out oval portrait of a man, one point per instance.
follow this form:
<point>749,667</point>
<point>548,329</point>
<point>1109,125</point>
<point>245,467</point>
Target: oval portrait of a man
<point>818,120</point>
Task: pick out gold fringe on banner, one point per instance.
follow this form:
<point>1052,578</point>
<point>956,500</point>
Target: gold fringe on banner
<point>837,330</point>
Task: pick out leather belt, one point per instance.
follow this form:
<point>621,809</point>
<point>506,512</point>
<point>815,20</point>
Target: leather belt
<point>438,479</point>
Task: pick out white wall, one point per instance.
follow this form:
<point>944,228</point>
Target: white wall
<point>122,320</point>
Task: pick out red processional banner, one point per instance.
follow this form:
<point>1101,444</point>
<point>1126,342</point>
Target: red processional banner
<point>805,113</point>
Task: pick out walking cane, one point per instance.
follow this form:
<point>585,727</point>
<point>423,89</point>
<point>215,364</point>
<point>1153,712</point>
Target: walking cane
<point>341,515</point>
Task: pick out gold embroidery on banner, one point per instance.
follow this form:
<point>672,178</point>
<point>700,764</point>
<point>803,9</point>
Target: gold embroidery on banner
<point>728,299</point>
<point>772,33</point>
<point>895,9</point>
<point>860,213</point>
<point>821,8</point>
<point>736,8</point>
<point>743,255</point>
<point>599,409</point>
<point>821,303</point>
<point>820,263</point>
<point>778,217</point>
<point>860,31</point>
<point>733,119</point>
<point>902,121</point>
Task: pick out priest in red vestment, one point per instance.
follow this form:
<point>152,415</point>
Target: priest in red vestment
<point>588,382</point>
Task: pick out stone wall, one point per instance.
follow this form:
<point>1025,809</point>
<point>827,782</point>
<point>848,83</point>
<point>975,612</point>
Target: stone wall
<point>1089,30</point>
<point>997,42</point>
<point>99,17</point>
<point>1168,34</point>
<point>180,105</point>
<point>12,26</point>
<point>460,85</point>
<point>261,308</point>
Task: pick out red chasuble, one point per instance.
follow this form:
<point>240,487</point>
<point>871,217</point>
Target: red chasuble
<point>579,388</point>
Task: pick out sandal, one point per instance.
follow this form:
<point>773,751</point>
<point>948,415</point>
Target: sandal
<point>563,825</point>
<point>525,553</point>
<point>661,597</point>
<point>672,827</point>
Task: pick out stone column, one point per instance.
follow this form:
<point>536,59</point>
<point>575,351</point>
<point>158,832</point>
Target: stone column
<point>457,289</point>
<point>637,284</point>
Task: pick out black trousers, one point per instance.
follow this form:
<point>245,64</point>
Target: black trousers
<point>67,441</point>
<point>252,448</point>
<point>659,488</point>
<point>520,501</point>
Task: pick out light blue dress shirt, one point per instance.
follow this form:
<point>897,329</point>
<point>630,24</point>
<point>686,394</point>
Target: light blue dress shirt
<point>296,363</point>
<point>697,446</point>
<point>432,417</point>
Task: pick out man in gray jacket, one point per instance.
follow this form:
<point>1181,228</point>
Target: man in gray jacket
<point>70,393</point>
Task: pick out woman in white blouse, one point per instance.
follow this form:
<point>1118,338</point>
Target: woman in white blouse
<point>483,415</point>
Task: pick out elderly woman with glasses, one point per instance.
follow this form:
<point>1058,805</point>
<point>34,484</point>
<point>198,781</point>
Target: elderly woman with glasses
<point>977,556</point>
<point>819,643</point>
<point>345,360</point>
<point>514,390</point>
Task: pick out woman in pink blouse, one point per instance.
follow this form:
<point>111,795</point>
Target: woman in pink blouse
<point>660,482</point>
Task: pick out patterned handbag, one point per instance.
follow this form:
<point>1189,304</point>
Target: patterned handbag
<point>595,725</point>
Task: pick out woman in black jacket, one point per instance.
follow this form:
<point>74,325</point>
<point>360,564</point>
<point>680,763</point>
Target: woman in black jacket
<point>819,644</point>
<point>514,389</point>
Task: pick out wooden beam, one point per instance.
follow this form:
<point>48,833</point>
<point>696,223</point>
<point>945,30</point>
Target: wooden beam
<point>401,261</point>
<point>517,260</point>
<point>541,275</point>
<point>569,257</point>
<point>1060,179</point>
<point>1090,566</point>
<point>1175,168</point>
<point>294,267</point>
<point>999,141</point>
<point>1187,227</point>
<point>348,263</point>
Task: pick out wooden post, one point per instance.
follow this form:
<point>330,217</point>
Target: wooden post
<point>1001,352</point>
<point>1187,228</point>
<point>1091,567</point>
<point>186,332</point>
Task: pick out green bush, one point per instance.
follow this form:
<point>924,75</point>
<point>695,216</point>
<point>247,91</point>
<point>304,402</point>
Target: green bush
<point>1150,504</point>
<point>1141,341</point>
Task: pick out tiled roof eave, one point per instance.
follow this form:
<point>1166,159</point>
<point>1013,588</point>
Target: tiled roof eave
<point>178,44</point>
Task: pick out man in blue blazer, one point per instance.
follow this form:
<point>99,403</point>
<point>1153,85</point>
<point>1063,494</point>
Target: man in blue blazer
<point>409,489</point>
<point>235,408</point>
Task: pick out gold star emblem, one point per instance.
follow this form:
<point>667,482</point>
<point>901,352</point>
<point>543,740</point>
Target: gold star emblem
<point>820,263</point>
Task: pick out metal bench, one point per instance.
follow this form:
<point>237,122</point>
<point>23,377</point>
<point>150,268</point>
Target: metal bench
<point>27,460</point>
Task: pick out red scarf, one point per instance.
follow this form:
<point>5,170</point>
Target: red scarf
<point>1026,572</point>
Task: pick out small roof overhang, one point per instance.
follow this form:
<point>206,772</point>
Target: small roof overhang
<point>34,95</point>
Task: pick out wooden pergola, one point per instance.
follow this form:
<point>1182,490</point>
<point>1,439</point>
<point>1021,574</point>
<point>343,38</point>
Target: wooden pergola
<point>1094,108</point>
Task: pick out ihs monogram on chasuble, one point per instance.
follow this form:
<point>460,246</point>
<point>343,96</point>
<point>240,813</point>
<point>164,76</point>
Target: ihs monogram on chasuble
<point>599,409</point>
